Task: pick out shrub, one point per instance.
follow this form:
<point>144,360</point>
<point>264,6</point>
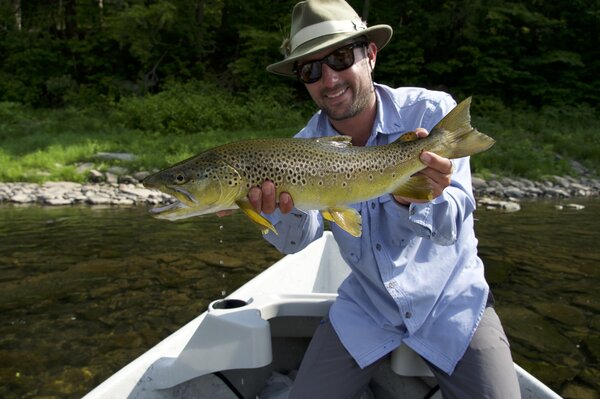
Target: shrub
<point>197,107</point>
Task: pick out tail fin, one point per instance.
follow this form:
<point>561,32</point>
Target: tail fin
<point>460,139</point>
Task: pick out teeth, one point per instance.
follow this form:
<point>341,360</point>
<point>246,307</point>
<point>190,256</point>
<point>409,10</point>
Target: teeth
<point>336,94</point>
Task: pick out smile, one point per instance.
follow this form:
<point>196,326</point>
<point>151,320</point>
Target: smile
<point>336,94</point>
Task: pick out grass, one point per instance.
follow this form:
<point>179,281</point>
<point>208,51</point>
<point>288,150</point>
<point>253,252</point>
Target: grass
<point>43,145</point>
<point>38,145</point>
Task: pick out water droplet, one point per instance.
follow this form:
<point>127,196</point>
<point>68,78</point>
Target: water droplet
<point>221,227</point>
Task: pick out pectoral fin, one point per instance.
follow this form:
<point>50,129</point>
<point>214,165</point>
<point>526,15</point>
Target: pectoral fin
<point>347,218</point>
<point>256,217</point>
<point>327,215</point>
<point>416,187</point>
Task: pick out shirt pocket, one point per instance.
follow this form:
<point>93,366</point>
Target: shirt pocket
<point>394,225</point>
<point>350,247</point>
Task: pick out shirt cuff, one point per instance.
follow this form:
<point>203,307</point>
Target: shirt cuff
<point>434,220</point>
<point>295,230</point>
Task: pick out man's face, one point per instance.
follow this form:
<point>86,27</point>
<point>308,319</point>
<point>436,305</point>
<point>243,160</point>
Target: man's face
<point>342,94</point>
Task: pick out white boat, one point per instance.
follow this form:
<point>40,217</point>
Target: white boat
<point>247,345</point>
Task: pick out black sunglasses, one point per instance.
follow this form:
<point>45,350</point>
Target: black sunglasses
<point>338,60</point>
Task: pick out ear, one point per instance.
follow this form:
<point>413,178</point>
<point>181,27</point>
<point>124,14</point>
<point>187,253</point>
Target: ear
<point>371,55</point>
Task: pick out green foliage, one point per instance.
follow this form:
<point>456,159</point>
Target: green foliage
<point>198,107</point>
<point>534,52</point>
<point>537,52</point>
<point>28,63</point>
<point>533,143</point>
<point>258,48</point>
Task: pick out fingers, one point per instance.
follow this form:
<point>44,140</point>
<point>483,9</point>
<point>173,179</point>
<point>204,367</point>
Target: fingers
<point>421,132</point>
<point>439,171</point>
<point>263,199</point>
<point>255,198</point>
<point>437,163</point>
<point>285,203</point>
<point>268,197</point>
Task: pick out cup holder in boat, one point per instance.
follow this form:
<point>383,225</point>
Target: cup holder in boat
<point>228,304</point>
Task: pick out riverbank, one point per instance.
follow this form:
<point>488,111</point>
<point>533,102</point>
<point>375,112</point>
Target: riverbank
<point>111,189</point>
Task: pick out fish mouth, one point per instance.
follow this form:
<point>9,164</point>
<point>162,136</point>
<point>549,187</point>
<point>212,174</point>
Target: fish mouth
<point>183,196</point>
<point>184,204</point>
<point>167,211</point>
<point>177,210</point>
<point>180,210</point>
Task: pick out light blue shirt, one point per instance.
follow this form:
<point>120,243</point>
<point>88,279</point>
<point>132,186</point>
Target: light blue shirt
<point>416,277</point>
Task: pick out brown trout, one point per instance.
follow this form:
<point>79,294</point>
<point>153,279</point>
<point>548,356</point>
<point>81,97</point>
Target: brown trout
<point>326,174</point>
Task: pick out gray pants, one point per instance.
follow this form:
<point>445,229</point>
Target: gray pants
<point>485,371</point>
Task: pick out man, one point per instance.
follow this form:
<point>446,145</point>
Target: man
<point>416,279</point>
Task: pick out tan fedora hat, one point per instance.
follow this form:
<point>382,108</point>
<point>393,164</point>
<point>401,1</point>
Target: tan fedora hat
<point>321,24</point>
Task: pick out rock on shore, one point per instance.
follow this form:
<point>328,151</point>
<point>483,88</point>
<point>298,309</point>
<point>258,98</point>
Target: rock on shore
<point>551,187</point>
<point>505,193</point>
<point>68,193</point>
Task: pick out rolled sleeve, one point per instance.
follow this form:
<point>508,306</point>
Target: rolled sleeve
<point>433,220</point>
<point>440,219</point>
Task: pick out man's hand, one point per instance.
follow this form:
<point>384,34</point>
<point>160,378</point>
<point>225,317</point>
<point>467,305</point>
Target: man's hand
<point>263,199</point>
<point>438,172</point>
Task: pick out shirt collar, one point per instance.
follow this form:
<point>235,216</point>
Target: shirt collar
<point>388,119</point>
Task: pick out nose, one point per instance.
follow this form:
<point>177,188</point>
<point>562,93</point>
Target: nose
<point>329,77</point>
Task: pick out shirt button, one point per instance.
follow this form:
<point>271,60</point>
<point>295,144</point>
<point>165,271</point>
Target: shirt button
<point>408,315</point>
<point>378,247</point>
<point>412,211</point>
<point>372,205</point>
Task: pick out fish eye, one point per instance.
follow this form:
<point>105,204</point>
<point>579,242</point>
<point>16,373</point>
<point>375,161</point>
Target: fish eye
<point>179,178</point>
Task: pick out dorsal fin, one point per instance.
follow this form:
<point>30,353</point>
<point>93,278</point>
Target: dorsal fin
<point>339,141</point>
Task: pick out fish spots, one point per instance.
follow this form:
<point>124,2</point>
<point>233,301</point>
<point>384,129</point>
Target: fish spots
<point>303,163</point>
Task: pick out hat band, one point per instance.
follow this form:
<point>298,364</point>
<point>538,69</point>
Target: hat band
<point>326,28</point>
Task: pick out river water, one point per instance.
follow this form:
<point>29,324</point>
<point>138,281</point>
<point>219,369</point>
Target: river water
<point>84,290</point>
